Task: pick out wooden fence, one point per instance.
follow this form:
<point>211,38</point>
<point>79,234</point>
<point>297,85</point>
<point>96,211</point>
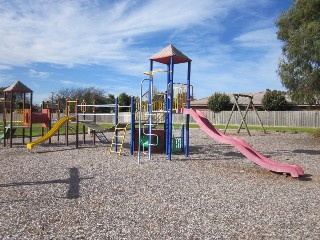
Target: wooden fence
<point>273,118</point>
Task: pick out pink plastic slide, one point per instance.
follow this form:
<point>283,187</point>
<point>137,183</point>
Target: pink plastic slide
<point>243,146</point>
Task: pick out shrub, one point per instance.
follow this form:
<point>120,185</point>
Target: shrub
<point>274,101</point>
<point>218,102</point>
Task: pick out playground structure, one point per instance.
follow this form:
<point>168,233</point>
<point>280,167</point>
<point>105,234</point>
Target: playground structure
<point>150,113</point>
<point>20,117</point>
<point>178,103</point>
<point>79,114</point>
<point>174,97</point>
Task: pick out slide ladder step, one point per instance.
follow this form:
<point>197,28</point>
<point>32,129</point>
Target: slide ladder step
<point>118,138</point>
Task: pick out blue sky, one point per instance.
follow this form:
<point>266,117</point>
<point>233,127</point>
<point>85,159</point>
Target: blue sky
<point>52,45</point>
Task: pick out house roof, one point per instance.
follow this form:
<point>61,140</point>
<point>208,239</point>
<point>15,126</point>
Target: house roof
<point>163,56</point>
<point>18,87</point>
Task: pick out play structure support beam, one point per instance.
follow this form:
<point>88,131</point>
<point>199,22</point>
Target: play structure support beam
<point>30,129</point>
<point>11,117</point>
<point>166,120</point>
<point>133,117</point>
<point>77,125</point>
<point>68,107</point>
<point>188,107</point>
<point>116,119</point>
<point>4,117</point>
<point>150,96</point>
<point>170,96</point>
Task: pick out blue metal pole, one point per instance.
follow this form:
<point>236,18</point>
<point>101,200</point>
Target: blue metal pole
<point>116,114</point>
<point>150,109</point>
<point>188,106</point>
<point>166,126</point>
<point>182,138</point>
<point>170,108</point>
<point>133,117</point>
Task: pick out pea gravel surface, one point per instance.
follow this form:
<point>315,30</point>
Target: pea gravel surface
<point>60,192</point>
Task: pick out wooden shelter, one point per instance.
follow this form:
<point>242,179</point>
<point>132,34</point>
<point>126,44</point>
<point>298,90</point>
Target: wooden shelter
<point>9,109</point>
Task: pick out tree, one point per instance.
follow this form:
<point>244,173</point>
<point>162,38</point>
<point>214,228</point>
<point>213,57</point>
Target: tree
<point>299,68</point>
<point>218,102</point>
<point>110,99</point>
<point>124,100</point>
<point>1,96</point>
<point>1,91</point>
<point>89,95</point>
<point>274,101</point>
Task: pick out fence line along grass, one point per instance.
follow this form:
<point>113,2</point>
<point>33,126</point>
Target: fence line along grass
<point>37,129</point>
<point>258,128</point>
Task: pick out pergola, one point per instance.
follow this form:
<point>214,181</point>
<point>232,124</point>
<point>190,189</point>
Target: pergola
<point>8,103</point>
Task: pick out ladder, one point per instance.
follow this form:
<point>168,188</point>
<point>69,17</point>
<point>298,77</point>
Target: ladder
<point>96,130</point>
<point>102,138</point>
<point>118,138</point>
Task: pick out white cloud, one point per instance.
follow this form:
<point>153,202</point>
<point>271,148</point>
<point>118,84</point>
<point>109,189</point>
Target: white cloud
<point>260,38</point>
<point>75,84</point>
<point>66,83</point>
<point>122,35</point>
<point>246,64</point>
<point>91,32</point>
<point>36,74</point>
<point>5,67</point>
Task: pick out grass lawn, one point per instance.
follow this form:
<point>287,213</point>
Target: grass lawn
<point>37,130</point>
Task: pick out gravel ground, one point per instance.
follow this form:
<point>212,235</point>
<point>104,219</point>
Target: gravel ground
<point>59,192</point>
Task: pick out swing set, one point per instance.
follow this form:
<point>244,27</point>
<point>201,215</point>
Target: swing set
<point>236,107</point>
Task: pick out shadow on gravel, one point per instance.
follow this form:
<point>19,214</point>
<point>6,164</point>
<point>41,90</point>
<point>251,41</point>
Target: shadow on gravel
<point>73,181</point>
<point>68,149</point>
<point>58,150</point>
<point>234,154</point>
<point>306,178</point>
<point>195,150</point>
<point>310,152</point>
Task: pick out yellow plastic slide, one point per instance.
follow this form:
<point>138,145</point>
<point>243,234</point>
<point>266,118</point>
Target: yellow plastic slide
<point>49,134</point>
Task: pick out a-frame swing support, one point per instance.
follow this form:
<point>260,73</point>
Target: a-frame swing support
<point>243,116</point>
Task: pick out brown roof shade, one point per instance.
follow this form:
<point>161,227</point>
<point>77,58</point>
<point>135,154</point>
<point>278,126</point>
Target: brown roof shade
<point>163,56</point>
<point>18,87</point>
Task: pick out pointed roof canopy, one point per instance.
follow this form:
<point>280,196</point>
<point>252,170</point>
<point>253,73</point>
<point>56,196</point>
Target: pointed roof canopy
<point>18,87</point>
<point>163,56</point>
